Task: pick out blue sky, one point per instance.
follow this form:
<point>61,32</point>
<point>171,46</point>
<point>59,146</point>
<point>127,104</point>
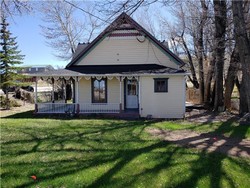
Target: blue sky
<point>30,41</point>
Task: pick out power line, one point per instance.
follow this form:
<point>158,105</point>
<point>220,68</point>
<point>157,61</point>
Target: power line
<point>72,4</point>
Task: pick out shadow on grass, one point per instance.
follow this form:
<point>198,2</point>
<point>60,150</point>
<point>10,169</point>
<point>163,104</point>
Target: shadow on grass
<point>24,115</point>
<point>211,164</point>
<point>104,153</point>
<point>31,115</point>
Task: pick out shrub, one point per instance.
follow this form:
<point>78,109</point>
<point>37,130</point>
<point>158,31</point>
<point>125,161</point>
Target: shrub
<point>13,103</point>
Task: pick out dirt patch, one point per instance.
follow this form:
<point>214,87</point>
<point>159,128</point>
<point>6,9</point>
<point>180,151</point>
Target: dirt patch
<point>206,116</point>
<point>205,141</point>
<point>25,106</point>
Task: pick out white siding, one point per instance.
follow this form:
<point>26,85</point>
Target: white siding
<point>84,91</point>
<point>113,87</point>
<point>126,51</point>
<point>163,105</point>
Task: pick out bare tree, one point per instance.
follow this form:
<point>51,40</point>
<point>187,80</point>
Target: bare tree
<point>62,30</point>
<point>15,7</point>
<point>243,45</point>
<point>231,77</point>
<point>220,14</point>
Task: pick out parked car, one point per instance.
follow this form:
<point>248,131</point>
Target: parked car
<point>28,88</point>
<point>13,88</point>
<point>9,89</point>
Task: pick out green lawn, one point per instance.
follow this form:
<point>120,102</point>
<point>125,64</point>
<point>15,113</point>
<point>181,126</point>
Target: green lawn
<point>112,153</point>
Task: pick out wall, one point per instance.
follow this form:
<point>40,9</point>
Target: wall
<point>113,87</point>
<point>126,51</point>
<point>163,105</point>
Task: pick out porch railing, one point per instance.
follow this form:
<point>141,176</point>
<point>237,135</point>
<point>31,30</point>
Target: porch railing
<point>56,108</point>
<point>73,108</point>
<point>99,108</point>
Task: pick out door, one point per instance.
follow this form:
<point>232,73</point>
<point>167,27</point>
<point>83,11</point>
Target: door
<point>132,94</point>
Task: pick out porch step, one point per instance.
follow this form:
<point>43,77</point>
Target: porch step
<point>129,116</point>
<point>125,116</point>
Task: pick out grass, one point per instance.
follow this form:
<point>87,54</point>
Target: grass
<point>111,153</point>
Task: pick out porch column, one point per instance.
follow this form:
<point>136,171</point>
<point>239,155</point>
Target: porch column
<point>120,94</point>
<point>139,96</point>
<point>36,107</point>
<point>77,95</point>
<point>64,90</point>
<point>53,90</point>
<point>77,90</point>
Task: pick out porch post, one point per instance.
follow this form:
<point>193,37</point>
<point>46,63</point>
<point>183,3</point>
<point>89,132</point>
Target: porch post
<point>139,96</point>
<point>53,90</point>
<point>36,109</point>
<point>77,95</point>
<point>64,91</point>
<point>76,90</point>
<point>120,94</point>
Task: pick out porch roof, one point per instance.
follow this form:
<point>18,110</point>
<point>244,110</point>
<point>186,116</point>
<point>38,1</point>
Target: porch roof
<point>112,70</point>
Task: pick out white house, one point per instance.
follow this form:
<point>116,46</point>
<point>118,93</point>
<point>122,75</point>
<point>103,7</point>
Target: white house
<point>123,70</point>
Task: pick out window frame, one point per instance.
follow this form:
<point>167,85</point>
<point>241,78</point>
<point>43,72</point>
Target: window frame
<point>165,87</point>
<point>92,91</point>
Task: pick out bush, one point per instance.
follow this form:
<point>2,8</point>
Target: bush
<point>13,103</point>
<point>25,95</point>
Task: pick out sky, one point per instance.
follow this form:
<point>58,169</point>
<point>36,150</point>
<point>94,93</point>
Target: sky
<point>31,42</point>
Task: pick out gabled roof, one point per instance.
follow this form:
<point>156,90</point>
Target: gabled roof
<point>111,70</point>
<point>124,18</point>
<point>119,69</point>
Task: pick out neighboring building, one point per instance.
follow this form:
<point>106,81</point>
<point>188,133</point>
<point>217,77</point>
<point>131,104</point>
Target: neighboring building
<point>36,69</point>
<point>124,70</point>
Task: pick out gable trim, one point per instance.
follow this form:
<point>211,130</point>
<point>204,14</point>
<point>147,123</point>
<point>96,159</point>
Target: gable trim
<point>141,30</point>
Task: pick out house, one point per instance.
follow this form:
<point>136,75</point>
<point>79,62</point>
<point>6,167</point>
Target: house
<point>123,70</point>
<point>35,69</point>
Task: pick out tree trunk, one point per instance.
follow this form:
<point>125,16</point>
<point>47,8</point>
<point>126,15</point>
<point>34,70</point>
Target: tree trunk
<point>7,100</point>
<point>231,78</point>
<point>220,10</point>
<point>243,44</point>
<point>210,75</point>
<point>200,49</point>
<point>194,79</point>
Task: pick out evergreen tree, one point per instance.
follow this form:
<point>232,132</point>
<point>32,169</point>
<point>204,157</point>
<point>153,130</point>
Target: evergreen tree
<point>10,59</point>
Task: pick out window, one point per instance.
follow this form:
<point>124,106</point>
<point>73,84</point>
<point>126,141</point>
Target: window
<point>161,84</point>
<point>99,90</point>
<point>131,87</point>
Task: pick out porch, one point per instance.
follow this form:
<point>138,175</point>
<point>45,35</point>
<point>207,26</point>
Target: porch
<point>91,95</point>
<point>108,110</point>
<point>75,108</point>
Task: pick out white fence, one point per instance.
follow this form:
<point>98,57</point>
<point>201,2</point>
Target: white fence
<point>83,108</point>
<point>99,108</point>
<point>56,108</point>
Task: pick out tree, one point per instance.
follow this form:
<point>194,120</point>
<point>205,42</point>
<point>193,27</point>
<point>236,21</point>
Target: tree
<point>231,77</point>
<point>220,15</point>
<point>10,58</point>
<point>15,7</point>
<point>64,29</point>
<point>243,45</point>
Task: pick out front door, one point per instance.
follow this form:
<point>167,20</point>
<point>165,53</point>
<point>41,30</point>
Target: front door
<point>132,94</point>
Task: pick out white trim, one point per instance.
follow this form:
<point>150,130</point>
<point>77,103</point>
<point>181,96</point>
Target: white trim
<point>53,89</point>
<point>120,90</point>
<point>77,91</point>
<point>139,95</point>
<point>184,96</point>
<point>36,91</point>
<point>111,75</point>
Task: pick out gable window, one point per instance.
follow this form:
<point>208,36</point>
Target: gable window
<point>99,90</point>
<point>161,84</point>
